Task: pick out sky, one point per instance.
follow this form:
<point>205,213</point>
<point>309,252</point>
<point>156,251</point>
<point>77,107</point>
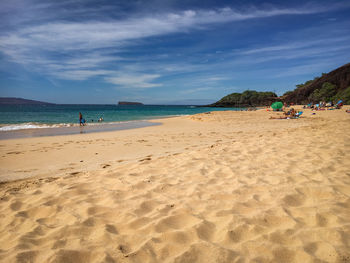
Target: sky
<point>166,51</point>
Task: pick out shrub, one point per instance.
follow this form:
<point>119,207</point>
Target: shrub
<point>248,98</point>
<point>326,93</point>
<point>343,95</point>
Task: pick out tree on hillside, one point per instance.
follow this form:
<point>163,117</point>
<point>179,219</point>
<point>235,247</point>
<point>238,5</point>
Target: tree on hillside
<point>326,93</point>
<point>336,87</point>
<point>343,95</point>
<point>287,93</point>
<point>249,98</point>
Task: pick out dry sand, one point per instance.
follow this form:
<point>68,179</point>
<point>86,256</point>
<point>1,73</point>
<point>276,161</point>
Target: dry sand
<point>218,187</point>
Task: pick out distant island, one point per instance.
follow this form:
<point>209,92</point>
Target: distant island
<point>20,101</point>
<point>129,103</point>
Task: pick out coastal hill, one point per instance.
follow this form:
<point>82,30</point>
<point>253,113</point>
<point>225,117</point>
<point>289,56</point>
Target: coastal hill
<point>334,85</point>
<point>129,103</point>
<point>20,101</point>
<point>249,98</point>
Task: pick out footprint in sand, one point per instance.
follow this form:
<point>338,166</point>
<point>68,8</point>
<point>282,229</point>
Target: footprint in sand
<point>111,229</point>
<point>72,174</point>
<point>294,200</point>
<point>16,205</point>
<point>145,159</point>
<point>51,179</point>
<point>59,244</point>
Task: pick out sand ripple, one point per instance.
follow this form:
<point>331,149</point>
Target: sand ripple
<point>253,197</point>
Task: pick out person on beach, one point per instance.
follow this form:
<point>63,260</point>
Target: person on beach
<point>291,114</point>
<point>81,119</point>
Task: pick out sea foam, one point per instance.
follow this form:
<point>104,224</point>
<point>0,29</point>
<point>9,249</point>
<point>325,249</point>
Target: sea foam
<point>25,126</point>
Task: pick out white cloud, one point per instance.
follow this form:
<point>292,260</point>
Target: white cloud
<point>87,35</point>
<point>77,36</point>
<point>140,81</point>
<point>196,90</point>
<point>73,50</point>
<point>90,61</point>
<point>215,78</point>
<point>295,45</point>
<point>80,74</point>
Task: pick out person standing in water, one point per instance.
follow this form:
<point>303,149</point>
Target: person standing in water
<point>81,119</point>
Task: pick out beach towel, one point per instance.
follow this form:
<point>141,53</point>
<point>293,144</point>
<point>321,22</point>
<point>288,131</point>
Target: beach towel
<point>298,114</point>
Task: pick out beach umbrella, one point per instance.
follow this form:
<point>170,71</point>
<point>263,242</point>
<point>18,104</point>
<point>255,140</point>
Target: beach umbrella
<point>340,101</point>
<point>277,105</point>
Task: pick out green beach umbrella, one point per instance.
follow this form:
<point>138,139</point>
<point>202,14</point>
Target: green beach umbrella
<point>277,105</point>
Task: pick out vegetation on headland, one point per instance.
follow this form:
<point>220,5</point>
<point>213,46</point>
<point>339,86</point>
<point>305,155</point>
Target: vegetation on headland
<point>249,98</point>
<point>332,86</point>
<point>328,92</point>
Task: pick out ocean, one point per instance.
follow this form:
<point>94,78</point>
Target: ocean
<point>19,117</point>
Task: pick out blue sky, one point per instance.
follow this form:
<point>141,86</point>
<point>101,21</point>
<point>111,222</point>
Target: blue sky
<point>166,52</point>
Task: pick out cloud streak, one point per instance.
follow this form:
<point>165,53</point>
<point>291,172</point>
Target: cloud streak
<point>140,81</point>
<point>63,49</point>
<point>58,36</point>
<point>295,45</point>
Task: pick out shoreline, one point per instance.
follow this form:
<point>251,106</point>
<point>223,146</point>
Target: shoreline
<point>58,129</point>
<point>53,117</point>
<point>25,154</point>
<point>75,129</point>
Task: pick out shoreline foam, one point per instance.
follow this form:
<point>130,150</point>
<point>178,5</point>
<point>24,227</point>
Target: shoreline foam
<point>32,130</point>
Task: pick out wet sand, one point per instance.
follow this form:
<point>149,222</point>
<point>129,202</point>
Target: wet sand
<point>219,187</point>
<point>76,129</point>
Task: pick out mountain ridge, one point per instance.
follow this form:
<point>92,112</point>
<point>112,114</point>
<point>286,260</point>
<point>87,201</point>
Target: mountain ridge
<point>21,101</point>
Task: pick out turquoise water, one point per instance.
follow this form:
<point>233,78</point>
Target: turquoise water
<point>14,117</point>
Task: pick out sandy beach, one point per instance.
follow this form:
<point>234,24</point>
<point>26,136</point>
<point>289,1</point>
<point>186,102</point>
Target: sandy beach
<point>213,187</point>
